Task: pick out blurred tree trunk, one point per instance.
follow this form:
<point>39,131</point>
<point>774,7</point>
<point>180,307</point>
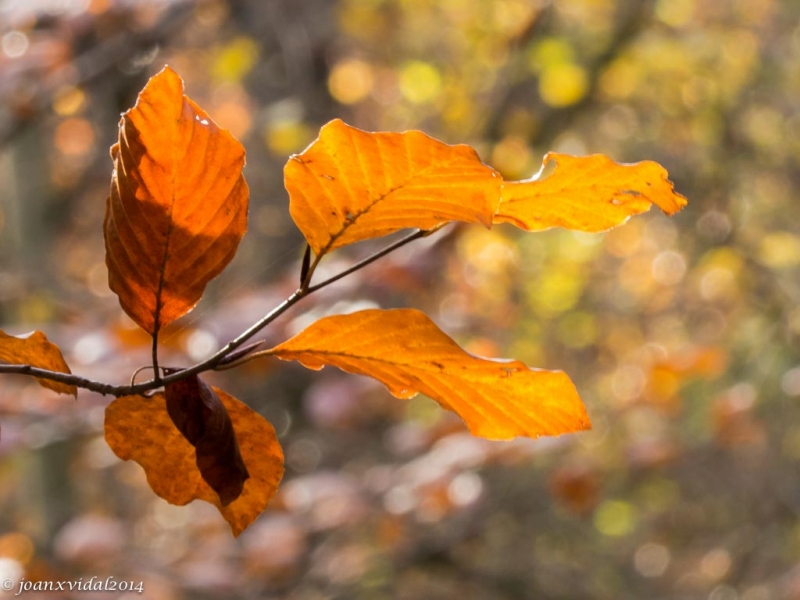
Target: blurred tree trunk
<point>46,501</point>
<point>27,199</point>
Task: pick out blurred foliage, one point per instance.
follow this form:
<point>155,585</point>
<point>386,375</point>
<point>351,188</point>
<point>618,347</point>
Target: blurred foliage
<point>682,335</point>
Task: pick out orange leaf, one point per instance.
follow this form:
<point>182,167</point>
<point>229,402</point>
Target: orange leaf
<point>178,204</point>
<point>140,429</point>
<point>408,353</point>
<point>35,350</point>
<point>589,193</point>
<point>351,185</point>
<point>200,416</point>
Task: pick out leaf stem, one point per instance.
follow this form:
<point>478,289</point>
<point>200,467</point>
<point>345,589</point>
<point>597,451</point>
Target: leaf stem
<point>304,268</point>
<point>156,372</point>
<point>218,357</point>
<point>305,282</point>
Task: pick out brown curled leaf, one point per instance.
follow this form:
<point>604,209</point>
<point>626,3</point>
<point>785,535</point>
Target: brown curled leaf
<point>140,429</point>
<point>200,416</point>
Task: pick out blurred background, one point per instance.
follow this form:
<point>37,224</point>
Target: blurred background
<point>682,335</point>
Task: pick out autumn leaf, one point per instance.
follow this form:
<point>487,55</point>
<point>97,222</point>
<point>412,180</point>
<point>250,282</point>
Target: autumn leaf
<point>178,204</point>
<point>350,185</point>
<point>36,350</point>
<point>140,429</point>
<point>408,353</point>
<point>589,193</point>
<point>200,416</point>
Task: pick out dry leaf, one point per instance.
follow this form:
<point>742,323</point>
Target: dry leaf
<point>200,416</point>
<point>178,204</point>
<point>351,185</point>
<point>407,352</point>
<point>140,429</point>
<point>35,350</point>
<point>589,193</point>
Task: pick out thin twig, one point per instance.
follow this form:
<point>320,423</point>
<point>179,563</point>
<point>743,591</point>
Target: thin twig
<point>240,360</point>
<point>372,258</point>
<point>67,378</point>
<point>140,388</point>
<point>224,352</point>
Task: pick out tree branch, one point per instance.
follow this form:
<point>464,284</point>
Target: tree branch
<point>67,378</point>
<point>218,357</point>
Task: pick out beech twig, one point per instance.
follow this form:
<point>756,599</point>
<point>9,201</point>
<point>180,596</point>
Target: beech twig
<point>224,356</point>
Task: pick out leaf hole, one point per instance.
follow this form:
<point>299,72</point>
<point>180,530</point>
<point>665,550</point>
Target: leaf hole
<point>546,170</point>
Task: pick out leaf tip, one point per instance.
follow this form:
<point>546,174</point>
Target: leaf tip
<point>168,74</point>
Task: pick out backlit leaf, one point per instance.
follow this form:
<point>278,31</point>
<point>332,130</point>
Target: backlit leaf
<point>200,416</point>
<point>407,352</point>
<point>351,185</point>
<point>589,193</point>
<point>178,204</point>
<point>35,350</point>
<point>140,429</point>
